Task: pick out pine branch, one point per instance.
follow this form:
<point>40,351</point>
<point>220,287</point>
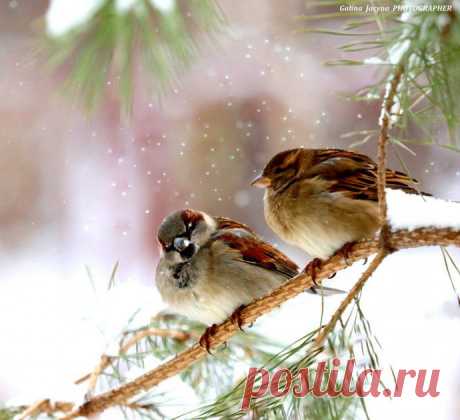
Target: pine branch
<point>108,47</point>
<point>428,46</point>
<point>45,406</point>
<point>397,240</point>
<point>124,347</point>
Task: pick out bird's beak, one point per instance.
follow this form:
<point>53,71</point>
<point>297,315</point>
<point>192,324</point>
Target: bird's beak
<point>261,182</point>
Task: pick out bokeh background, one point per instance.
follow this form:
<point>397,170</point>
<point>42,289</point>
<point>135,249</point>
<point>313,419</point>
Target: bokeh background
<point>79,192</point>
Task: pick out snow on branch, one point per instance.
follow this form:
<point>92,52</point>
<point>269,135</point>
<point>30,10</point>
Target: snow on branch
<point>408,211</point>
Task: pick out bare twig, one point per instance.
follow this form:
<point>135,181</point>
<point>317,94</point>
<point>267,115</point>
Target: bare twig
<point>34,409</point>
<point>385,125</point>
<point>47,407</point>
<point>356,289</point>
<point>397,240</point>
<point>106,360</point>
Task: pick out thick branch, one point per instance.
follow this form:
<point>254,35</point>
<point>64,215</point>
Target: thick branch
<point>397,240</point>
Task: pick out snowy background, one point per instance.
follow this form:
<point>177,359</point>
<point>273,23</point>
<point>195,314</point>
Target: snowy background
<point>79,193</point>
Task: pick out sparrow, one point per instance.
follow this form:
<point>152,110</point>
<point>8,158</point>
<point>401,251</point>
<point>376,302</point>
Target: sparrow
<point>321,200</point>
<point>211,266</point>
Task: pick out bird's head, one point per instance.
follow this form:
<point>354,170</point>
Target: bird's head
<point>282,169</point>
<point>182,233</point>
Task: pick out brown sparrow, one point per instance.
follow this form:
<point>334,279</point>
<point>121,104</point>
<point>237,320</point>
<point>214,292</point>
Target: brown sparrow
<point>211,266</point>
<point>321,199</point>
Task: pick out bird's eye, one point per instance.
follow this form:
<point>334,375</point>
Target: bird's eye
<point>278,170</point>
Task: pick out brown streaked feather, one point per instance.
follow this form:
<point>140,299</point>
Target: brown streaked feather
<point>355,174</point>
<point>255,251</point>
<point>226,223</point>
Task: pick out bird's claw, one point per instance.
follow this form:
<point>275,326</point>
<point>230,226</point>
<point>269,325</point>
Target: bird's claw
<point>204,339</point>
<point>235,317</point>
<point>345,252</point>
<point>312,268</point>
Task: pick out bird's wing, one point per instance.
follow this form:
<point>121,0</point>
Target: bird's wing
<point>354,174</point>
<point>253,250</point>
<point>226,223</point>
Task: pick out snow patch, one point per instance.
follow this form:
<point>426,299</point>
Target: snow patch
<point>396,52</point>
<point>123,6</point>
<point>164,6</point>
<point>411,211</point>
<point>62,15</point>
<point>374,60</point>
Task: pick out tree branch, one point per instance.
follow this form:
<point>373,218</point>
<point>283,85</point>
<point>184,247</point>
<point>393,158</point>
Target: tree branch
<point>385,125</point>
<point>45,406</point>
<point>397,240</point>
<point>356,289</point>
<point>125,346</point>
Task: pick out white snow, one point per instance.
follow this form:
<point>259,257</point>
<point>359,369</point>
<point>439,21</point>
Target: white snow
<point>374,60</point>
<point>164,6</point>
<point>395,112</point>
<point>412,211</point>
<point>396,52</point>
<point>57,326</point>
<point>63,15</point>
<point>125,5</point>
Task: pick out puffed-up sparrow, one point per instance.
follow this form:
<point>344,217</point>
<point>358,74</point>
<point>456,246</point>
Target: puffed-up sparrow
<point>321,199</point>
<point>211,266</point>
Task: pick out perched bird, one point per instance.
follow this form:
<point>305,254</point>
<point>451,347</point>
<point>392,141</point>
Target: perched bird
<point>211,266</point>
<point>321,199</point>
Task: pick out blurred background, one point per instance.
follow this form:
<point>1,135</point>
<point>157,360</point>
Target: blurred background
<point>82,191</point>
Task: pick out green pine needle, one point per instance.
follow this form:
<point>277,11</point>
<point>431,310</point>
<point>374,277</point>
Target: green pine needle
<point>107,50</point>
